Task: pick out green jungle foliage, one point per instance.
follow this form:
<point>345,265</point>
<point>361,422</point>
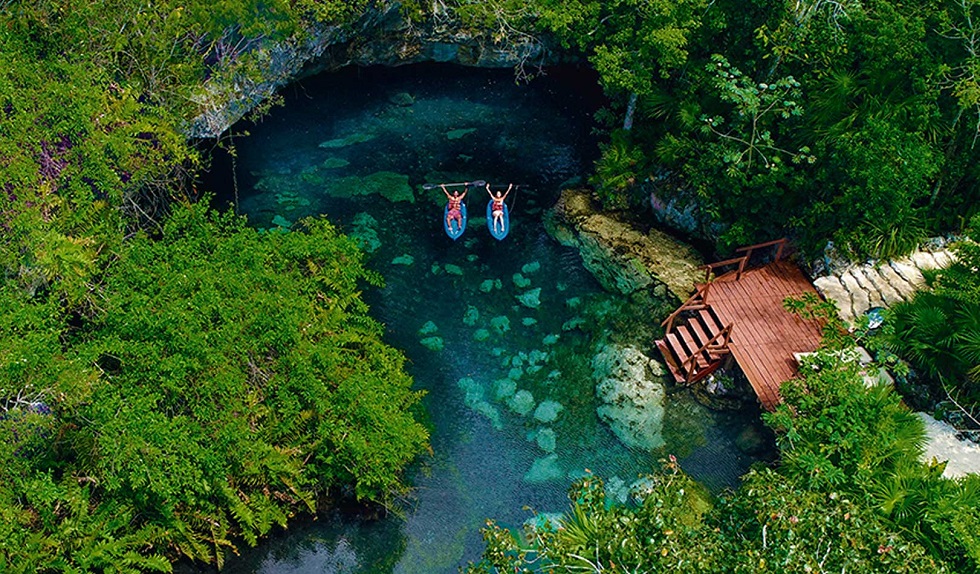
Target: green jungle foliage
<point>849,495</point>
<point>170,395</point>
<point>856,122</point>
<point>939,330</point>
<point>220,381</point>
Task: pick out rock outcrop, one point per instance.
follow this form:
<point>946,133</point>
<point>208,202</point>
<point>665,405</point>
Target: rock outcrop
<point>382,36</point>
<point>630,386</point>
<point>621,256</point>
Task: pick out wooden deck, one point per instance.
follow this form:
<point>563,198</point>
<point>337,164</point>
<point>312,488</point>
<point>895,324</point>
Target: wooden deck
<point>765,335</point>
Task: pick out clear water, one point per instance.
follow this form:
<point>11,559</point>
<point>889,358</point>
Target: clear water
<point>461,125</point>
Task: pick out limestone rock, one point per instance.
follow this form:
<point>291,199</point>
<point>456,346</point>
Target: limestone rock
<point>547,411</point>
<point>546,440</point>
<point>433,343</point>
<point>632,395</point>
<point>521,403</point>
<point>459,134</point>
<point>428,328</point>
<point>544,469</point>
<point>384,36</point>
<point>833,290</point>
<point>621,257</point>
<point>530,299</point>
<point>909,272</point>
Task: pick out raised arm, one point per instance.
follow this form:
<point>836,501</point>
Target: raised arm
<point>444,190</point>
<point>509,187</point>
<point>490,193</point>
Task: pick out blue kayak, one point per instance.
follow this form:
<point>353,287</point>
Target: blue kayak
<point>498,234</point>
<point>454,230</point>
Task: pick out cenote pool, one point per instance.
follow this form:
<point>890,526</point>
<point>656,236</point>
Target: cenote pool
<point>500,335</point>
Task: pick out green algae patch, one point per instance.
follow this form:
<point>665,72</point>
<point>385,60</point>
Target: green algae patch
<point>388,184</point>
<point>346,141</point>
<point>334,163</point>
<point>459,134</point>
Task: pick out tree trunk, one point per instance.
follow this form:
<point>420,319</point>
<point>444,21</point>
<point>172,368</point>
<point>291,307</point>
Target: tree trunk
<point>630,110</point>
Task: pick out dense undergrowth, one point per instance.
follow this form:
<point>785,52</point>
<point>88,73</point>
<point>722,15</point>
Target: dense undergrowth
<point>172,383</point>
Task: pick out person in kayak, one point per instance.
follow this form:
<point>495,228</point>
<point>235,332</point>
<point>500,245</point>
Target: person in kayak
<point>454,213</point>
<point>497,208</point>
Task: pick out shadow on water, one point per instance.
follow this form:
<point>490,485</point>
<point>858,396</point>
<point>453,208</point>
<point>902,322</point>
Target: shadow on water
<point>499,335</point>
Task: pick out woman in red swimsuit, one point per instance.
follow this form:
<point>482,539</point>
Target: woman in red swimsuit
<point>498,207</point>
<point>454,214</point>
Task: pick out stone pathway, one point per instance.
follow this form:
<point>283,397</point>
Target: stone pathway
<point>862,287</point>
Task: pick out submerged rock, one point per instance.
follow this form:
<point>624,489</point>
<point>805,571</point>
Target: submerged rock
<point>433,343</point>
<point>428,328</point>
<point>550,339</point>
<point>520,281</point>
<point>546,440</point>
<point>280,221</point>
<point>471,316</point>
<point>522,402</point>
<point>531,267</point>
<point>460,133</point>
<point>487,286</point>
<point>334,163</point>
<point>364,230</point>
<point>545,522</point>
<point>528,321</point>
<point>629,384</point>
<point>544,469</point>
<point>531,299</point>
<point>500,324</point>
<point>537,356</point>
<point>390,185</point>
<point>503,389</point>
<point>481,335</point>
<point>474,400</point>
<point>547,411</point>
<point>405,260</point>
<point>346,141</point>
<point>453,269</point>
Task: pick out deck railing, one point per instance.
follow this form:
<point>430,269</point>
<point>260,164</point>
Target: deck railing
<point>687,366</point>
<point>744,259</point>
<point>701,296</point>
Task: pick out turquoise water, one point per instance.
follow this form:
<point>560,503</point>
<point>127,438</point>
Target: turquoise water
<point>510,396</point>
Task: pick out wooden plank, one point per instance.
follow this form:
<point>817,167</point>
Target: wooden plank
<point>699,331</point>
<point>670,361</point>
